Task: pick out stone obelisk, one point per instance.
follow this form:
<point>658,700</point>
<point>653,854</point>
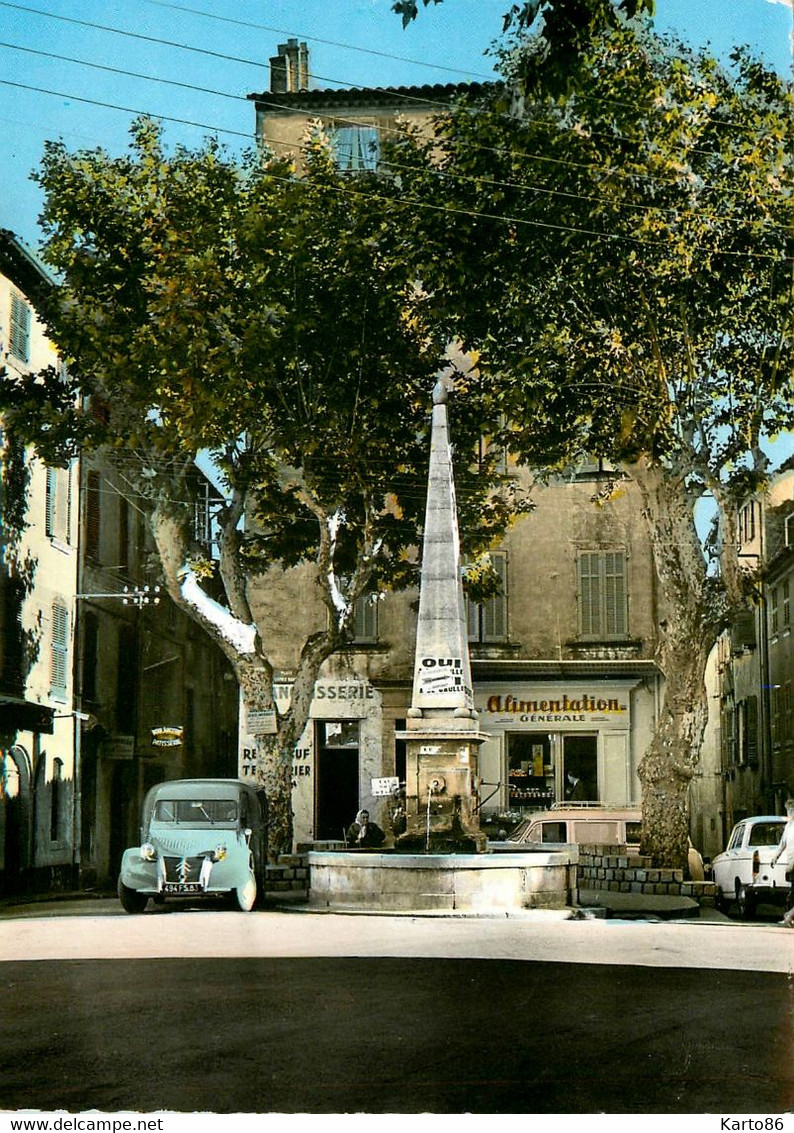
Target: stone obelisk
<point>442,734</point>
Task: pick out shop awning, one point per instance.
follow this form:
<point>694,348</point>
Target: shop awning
<point>18,715</point>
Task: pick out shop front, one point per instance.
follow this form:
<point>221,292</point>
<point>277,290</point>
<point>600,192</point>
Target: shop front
<point>335,761</point>
<point>553,743</point>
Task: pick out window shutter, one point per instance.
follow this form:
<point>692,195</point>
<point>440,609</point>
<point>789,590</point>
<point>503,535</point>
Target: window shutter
<point>494,612</point>
<point>92,516</point>
<point>589,603</point>
<point>19,336</point>
<point>60,649</point>
<point>614,594</point>
<point>366,619</point>
<point>50,502</point>
<point>751,728</point>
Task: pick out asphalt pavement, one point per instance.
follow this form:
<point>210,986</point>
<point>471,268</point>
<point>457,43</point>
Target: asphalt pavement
<point>289,1010</point>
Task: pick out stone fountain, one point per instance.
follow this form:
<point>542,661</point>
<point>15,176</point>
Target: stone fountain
<point>440,862</point>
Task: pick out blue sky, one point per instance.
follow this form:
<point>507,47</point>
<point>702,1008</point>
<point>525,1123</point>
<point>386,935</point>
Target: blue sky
<point>352,43</point>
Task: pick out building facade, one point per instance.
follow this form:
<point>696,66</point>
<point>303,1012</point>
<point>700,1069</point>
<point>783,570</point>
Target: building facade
<point>748,758</point>
<point>562,661</point>
<point>105,686</point>
<point>39,731</point>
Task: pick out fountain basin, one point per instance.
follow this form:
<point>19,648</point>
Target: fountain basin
<point>396,882</point>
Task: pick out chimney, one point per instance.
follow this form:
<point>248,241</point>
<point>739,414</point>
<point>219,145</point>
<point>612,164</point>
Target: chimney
<point>289,70</point>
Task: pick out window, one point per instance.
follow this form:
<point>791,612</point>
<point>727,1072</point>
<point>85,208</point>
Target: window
<point>785,604</point>
<point>202,518</point>
<point>58,504</point>
<point>747,721</point>
<point>356,148</point>
<point>90,654</point>
<point>92,517</point>
<point>487,621</point>
<point>747,523</point>
<point>366,618</point>
<point>19,338</point>
<point>126,671</point>
<point>602,594</point>
<point>124,534</point>
<point>59,668</point>
<point>56,801</point>
<point>773,611</point>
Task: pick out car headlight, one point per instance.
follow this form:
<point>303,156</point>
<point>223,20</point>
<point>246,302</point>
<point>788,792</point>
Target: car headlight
<point>219,853</point>
<point>148,852</point>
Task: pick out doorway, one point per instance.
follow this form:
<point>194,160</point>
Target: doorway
<point>336,798</point>
<point>580,761</point>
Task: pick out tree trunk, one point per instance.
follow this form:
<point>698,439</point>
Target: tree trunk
<point>687,632</point>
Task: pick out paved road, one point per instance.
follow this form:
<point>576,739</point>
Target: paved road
<point>317,1013</point>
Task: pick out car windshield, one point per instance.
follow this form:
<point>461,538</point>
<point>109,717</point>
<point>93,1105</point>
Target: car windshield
<point>766,833</point>
<point>194,812</point>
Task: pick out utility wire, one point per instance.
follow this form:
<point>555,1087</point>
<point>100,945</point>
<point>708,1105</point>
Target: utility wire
<point>534,187</point>
<point>319,39</point>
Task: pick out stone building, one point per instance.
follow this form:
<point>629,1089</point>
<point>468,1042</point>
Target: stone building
<point>562,661</point>
<point>39,731</point>
<point>158,698</point>
<point>748,758</point>
<point>103,691</point>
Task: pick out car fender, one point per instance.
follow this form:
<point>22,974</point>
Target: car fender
<point>136,873</point>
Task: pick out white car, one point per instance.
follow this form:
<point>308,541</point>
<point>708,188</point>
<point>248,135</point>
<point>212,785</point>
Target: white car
<point>743,871</point>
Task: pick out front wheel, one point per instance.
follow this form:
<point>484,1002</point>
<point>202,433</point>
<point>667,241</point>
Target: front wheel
<point>131,900</point>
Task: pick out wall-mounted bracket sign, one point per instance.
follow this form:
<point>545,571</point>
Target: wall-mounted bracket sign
<point>167,735</point>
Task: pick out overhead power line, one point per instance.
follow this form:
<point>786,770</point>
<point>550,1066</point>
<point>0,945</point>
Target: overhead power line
<point>495,183</point>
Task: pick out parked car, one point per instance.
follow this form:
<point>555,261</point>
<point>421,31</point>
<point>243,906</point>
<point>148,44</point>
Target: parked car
<point>199,838</point>
<point>589,825</point>
<point>743,872</point>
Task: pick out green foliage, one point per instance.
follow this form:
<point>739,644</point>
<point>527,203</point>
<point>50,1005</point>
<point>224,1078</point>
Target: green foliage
<point>621,257</point>
<point>239,309</point>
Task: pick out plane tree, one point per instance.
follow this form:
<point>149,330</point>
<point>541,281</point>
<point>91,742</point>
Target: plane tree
<point>621,257</point>
<point>227,310</point>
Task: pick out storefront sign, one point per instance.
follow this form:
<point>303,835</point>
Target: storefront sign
<point>324,690</point>
<point>167,736</point>
<point>557,706</point>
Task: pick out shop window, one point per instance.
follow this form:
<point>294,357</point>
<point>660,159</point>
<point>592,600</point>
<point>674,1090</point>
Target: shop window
<point>530,771</point>
<point>356,148</point>
<point>59,663</point>
<point>19,331</point>
<point>602,595</point>
<point>487,621</point>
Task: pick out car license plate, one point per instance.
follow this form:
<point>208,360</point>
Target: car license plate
<point>182,887</point>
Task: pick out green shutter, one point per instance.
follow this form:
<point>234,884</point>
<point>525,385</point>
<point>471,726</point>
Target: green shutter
<point>19,335</point>
<point>60,649</point>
